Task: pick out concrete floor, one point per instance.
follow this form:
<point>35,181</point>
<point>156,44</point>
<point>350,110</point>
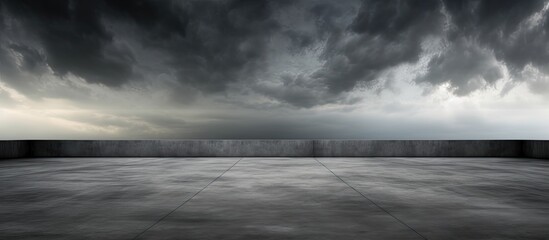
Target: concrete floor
<point>274,198</point>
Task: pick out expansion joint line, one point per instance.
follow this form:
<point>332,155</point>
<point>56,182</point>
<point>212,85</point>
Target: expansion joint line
<point>370,200</point>
<point>186,201</point>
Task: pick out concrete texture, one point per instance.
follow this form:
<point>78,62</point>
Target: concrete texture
<point>417,148</point>
<point>172,148</point>
<point>456,198</point>
<point>100,198</point>
<point>14,149</point>
<point>274,198</point>
<point>274,148</point>
<point>536,149</point>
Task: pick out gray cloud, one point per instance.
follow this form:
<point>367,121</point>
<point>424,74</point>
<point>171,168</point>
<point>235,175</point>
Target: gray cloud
<point>501,27</point>
<point>224,43</point>
<point>464,66</point>
<point>207,46</point>
<point>32,61</point>
<point>540,86</point>
<point>383,34</point>
<point>297,91</point>
<point>74,39</point>
<point>2,24</point>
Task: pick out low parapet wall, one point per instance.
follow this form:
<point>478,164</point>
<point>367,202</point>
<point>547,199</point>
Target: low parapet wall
<point>274,148</point>
<point>418,148</point>
<point>14,149</point>
<point>173,148</point>
<point>536,149</point>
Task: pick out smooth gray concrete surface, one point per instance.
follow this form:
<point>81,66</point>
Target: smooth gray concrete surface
<point>456,198</point>
<point>279,199</point>
<point>274,198</point>
<point>100,198</point>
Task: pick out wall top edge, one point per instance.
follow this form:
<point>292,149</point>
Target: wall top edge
<point>266,139</point>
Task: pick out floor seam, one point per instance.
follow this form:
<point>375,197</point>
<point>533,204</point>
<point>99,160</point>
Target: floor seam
<point>370,200</point>
<point>186,201</point>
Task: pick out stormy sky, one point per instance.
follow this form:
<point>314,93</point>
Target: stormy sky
<point>387,69</point>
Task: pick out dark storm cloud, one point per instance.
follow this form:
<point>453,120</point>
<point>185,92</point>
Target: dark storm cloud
<point>32,60</point>
<point>465,67</point>
<point>297,91</point>
<point>74,39</point>
<point>208,45</point>
<point>6,65</point>
<point>1,17</point>
<point>481,29</point>
<point>10,73</point>
<point>383,34</point>
<point>225,42</point>
<point>158,19</point>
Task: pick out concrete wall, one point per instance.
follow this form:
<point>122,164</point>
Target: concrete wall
<point>536,149</point>
<point>418,148</point>
<point>275,148</point>
<point>14,149</point>
<point>173,148</point>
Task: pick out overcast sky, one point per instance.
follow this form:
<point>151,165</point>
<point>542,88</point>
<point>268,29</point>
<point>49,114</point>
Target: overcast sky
<point>410,69</point>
